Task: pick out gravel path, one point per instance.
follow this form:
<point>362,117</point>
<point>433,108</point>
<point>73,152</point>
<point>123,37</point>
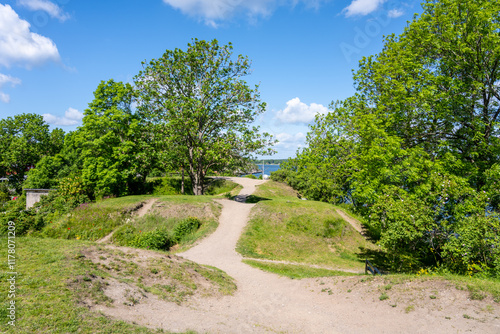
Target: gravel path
<point>267,303</point>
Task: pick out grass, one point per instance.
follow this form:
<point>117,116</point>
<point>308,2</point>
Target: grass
<point>92,221</point>
<point>286,228</point>
<point>168,278</point>
<point>295,271</point>
<point>478,288</point>
<point>52,281</point>
<point>383,296</point>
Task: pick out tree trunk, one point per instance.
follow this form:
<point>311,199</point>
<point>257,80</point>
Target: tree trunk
<point>198,183</point>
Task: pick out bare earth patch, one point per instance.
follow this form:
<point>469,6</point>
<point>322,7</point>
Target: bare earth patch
<point>266,303</point>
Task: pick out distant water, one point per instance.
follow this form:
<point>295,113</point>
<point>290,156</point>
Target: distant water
<point>268,169</point>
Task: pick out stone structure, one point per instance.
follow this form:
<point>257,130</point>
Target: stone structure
<point>34,195</point>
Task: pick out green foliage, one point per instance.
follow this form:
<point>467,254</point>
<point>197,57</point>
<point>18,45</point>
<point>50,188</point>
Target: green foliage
<point>48,172</point>
<point>289,229</point>
<point>185,227</point>
<point>85,222</point>
<point>72,190</point>
<point>4,194</point>
<point>24,140</point>
<point>205,125</point>
<point>159,239</point>
<point>16,211</point>
<point>50,208</point>
<point>416,150</point>
<point>153,236</point>
<point>172,186</point>
<point>116,147</point>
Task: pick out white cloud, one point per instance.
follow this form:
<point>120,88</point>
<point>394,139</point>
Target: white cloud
<point>71,117</point>
<point>362,7</point>
<point>5,98</point>
<point>7,79</point>
<point>299,112</point>
<point>394,13</point>
<point>290,141</point>
<point>212,11</point>
<point>18,45</point>
<point>47,6</point>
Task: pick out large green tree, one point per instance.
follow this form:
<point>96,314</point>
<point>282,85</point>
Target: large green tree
<point>24,140</point>
<point>114,144</point>
<point>201,108</point>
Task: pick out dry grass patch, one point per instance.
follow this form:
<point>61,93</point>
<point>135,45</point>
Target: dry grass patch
<point>131,275</point>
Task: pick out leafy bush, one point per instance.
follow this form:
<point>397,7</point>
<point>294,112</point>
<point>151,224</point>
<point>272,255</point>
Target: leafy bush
<point>185,227</point>
<point>4,194</point>
<point>158,239</point>
<point>172,186</point>
<point>16,211</point>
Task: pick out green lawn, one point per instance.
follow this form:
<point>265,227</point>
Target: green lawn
<point>52,280</point>
<point>283,227</point>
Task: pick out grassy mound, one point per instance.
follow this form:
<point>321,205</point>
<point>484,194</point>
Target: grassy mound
<point>284,227</point>
<point>173,220</point>
<point>58,280</point>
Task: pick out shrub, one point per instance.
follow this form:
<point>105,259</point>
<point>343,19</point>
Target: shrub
<point>172,186</point>
<point>16,211</point>
<point>157,239</point>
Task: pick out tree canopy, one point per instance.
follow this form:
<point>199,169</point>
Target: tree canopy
<point>416,150</point>
<point>201,108</point>
<point>24,140</point>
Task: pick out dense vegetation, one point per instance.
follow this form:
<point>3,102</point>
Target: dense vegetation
<point>130,132</point>
<point>132,135</point>
<point>416,150</point>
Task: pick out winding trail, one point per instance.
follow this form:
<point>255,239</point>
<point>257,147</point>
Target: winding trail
<point>267,303</point>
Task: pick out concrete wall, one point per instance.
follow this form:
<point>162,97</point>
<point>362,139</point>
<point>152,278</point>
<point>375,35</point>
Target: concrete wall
<point>34,195</point>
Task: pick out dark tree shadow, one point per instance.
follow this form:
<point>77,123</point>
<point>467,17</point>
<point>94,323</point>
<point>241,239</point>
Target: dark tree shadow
<point>377,258</point>
<point>251,199</point>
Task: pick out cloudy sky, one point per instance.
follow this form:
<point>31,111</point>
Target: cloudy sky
<point>54,53</point>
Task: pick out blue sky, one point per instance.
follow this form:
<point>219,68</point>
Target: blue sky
<point>54,53</point>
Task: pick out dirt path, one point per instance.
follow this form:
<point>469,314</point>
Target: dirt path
<point>267,303</point>
<point>354,223</point>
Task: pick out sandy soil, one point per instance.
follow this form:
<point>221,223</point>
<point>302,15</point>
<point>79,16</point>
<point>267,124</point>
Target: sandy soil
<point>266,303</point>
